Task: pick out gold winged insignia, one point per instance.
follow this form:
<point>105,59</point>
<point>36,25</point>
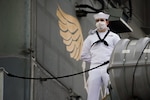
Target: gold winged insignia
<point>71,33</point>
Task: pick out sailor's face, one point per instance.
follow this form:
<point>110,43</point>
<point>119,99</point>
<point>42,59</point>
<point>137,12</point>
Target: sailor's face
<point>101,24</point>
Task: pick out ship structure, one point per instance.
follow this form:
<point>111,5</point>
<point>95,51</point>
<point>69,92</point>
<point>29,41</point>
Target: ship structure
<point>41,43</point>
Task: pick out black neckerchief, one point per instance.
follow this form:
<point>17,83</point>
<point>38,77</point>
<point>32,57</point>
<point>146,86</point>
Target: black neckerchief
<point>101,40</point>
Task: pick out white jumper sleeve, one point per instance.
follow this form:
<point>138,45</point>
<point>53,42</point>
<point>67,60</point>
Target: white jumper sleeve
<point>85,54</point>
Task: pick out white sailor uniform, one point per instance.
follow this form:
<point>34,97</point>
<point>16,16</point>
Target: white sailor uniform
<point>97,53</point>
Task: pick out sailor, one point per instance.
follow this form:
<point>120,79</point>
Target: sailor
<point>97,49</point>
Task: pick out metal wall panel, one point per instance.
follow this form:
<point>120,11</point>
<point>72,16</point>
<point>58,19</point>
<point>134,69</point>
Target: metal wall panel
<point>51,53</point>
<point>14,27</point>
<point>14,40</point>
<point>14,88</point>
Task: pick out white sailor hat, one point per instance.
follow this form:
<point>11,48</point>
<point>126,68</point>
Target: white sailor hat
<point>101,15</point>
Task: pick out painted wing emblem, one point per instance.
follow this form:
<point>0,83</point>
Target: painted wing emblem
<point>71,33</point>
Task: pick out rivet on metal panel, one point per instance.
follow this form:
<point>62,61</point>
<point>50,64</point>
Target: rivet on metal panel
<point>124,60</point>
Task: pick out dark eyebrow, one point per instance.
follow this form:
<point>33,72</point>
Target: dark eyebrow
<point>100,20</point>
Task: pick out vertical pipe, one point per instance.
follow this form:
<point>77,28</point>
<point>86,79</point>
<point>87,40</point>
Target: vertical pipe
<point>1,83</point>
<point>33,64</point>
<point>27,32</point>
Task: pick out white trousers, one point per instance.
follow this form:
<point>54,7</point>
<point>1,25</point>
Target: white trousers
<point>97,77</point>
